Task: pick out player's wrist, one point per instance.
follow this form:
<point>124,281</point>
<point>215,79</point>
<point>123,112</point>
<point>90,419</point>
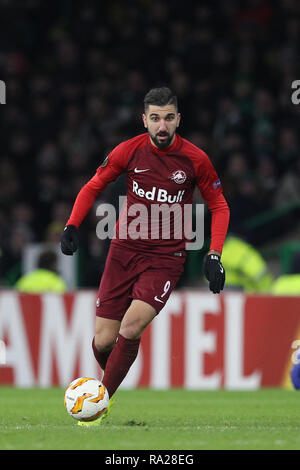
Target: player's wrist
<point>214,252</point>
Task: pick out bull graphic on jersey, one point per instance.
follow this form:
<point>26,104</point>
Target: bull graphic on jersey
<point>179,176</point>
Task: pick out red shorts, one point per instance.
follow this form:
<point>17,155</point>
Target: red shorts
<point>132,275</point>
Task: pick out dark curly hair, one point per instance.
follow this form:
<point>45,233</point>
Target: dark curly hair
<point>160,97</point>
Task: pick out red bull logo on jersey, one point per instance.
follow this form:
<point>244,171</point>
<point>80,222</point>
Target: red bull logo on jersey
<point>157,194</point>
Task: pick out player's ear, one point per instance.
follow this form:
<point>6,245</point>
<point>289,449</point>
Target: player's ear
<point>144,120</point>
<point>178,119</point>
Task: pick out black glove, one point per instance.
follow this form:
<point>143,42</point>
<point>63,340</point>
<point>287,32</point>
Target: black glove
<point>69,240</point>
<point>214,273</point>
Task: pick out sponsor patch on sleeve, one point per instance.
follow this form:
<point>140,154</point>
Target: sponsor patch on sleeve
<point>216,184</point>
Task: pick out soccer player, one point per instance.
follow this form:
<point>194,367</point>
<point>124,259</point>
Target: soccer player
<point>140,273</point>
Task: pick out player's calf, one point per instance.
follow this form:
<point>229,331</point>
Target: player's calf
<point>101,356</point>
<point>119,362</point>
<point>104,340</point>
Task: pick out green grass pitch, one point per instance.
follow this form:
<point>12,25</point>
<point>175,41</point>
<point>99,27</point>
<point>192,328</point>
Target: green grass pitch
<point>268,419</point>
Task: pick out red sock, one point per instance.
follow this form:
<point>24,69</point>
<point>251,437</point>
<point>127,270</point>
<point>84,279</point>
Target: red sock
<point>101,356</point>
<point>119,362</point>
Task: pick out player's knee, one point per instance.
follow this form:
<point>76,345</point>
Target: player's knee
<point>132,329</point>
<point>104,341</point>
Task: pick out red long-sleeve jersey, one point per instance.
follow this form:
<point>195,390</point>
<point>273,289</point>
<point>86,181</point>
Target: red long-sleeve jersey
<point>157,177</point>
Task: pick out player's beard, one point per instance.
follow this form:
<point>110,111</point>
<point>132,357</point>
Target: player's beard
<point>162,144</point>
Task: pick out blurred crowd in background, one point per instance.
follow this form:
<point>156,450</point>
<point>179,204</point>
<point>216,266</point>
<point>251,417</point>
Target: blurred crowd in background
<point>76,74</point>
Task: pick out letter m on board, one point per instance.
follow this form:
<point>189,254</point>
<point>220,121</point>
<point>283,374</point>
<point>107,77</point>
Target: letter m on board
<point>2,92</point>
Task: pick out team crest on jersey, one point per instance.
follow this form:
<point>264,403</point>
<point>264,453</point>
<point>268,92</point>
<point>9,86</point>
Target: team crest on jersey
<point>179,176</point>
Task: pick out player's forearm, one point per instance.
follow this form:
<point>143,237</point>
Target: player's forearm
<point>219,224</point>
<point>83,203</point>
<point>87,195</point>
